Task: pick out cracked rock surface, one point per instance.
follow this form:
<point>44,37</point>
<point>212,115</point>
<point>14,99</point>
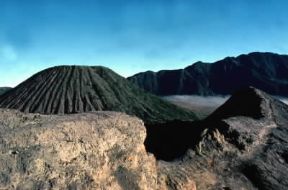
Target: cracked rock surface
<point>102,150</point>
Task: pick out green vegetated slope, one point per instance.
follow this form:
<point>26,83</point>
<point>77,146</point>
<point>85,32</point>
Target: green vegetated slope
<point>76,89</point>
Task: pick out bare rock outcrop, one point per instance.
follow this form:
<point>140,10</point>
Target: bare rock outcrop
<point>102,150</point>
<point>245,143</point>
<point>242,145</point>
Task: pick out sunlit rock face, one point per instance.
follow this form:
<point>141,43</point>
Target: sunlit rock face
<point>102,150</point>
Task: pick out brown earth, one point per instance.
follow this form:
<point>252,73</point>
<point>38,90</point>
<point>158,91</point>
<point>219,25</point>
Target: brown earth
<point>102,150</point>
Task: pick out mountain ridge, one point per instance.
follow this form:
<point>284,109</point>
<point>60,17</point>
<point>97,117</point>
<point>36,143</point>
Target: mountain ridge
<point>266,71</point>
<point>239,146</point>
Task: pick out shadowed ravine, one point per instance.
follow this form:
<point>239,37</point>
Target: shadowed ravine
<point>171,140</point>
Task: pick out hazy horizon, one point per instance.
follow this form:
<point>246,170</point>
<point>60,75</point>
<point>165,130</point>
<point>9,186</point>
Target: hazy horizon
<point>131,36</point>
<point>203,106</point>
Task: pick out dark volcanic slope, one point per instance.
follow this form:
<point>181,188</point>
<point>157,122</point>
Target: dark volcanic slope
<point>256,124</point>
<point>74,89</point>
<point>243,145</point>
<point>265,71</point>
<point>4,89</point>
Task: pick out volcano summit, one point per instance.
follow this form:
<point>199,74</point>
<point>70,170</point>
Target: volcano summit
<point>76,89</point>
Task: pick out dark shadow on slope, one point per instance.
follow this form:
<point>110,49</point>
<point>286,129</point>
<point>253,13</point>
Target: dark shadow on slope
<point>171,140</point>
<point>245,102</point>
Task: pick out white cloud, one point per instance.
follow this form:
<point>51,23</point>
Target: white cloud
<point>213,101</point>
<point>284,100</point>
<point>206,101</point>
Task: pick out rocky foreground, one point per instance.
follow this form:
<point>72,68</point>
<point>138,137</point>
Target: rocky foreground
<point>102,150</point>
<point>242,145</point>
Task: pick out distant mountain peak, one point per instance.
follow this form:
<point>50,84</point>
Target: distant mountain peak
<point>266,71</point>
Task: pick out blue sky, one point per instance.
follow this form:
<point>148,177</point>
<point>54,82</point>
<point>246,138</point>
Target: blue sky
<point>130,36</point>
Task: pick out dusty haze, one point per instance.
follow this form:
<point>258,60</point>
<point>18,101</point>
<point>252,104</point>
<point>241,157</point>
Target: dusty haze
<point>202,106</point>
